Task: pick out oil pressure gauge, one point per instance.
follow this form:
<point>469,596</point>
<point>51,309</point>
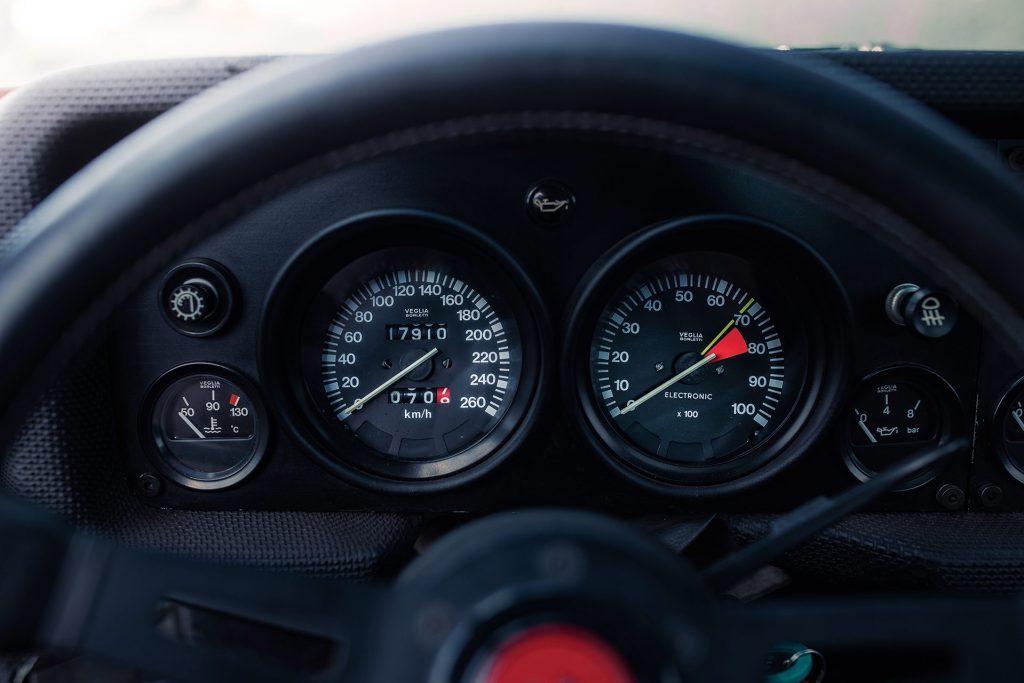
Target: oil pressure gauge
<point>1009,430</point>
<point>208,427</point>
<point>894,413</point>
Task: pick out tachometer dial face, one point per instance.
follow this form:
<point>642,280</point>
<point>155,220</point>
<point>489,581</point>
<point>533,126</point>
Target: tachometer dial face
<point>419,359</point>
<point>689,365</point>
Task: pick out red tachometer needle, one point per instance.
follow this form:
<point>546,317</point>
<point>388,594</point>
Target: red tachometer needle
<point>732,344</point>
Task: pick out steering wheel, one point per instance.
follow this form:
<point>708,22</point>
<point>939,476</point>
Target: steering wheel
<point>502,590</point>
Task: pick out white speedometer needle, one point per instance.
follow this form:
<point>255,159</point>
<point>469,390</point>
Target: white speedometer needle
<point>191,426</point>
<point>360,402</point>
<point>633,405</point>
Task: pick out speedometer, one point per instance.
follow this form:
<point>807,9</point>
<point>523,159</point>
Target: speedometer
<point>418,363</point>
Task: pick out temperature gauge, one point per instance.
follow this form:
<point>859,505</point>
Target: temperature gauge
<point>207,426</point>
<point>894,413</point>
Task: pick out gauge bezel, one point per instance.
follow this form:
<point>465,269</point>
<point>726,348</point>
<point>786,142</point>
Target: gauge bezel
<point>823,351</point>
<point>1014,469</point>
<point>947,403</point>
<point>156,449</point>
<point>292,300</point>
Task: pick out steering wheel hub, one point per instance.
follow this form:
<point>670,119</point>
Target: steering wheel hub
<point>555,653</point>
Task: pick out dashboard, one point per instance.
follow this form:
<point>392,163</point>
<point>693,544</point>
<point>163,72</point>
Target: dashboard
<point>547,323</point>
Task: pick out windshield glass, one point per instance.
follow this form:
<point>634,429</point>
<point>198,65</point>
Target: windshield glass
<point>39,36</point>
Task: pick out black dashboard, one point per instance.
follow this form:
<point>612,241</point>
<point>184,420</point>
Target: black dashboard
<point>468,330</point>
<point>552,232</point>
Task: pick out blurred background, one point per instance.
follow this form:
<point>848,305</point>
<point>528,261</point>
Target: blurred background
<point>40,36</point>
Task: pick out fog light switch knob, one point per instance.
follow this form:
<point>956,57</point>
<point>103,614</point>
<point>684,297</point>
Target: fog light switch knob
<point>928,312</point>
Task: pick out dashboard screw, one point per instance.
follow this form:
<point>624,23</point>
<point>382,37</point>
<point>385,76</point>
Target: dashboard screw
<point>432,625</point>
<point>447,363</point>
<point>991,495</point>
<point>950,497</point>
<point>149,485</point>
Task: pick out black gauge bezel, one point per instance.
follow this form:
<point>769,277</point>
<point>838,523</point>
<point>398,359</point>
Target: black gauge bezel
<point>1014,465</point>
<point>293,298</point>
<point>157,450</point>
<point>926,380</point>
<point>820,347</point>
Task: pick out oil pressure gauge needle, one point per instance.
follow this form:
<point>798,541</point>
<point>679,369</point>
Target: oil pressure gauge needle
<point>360,402</point>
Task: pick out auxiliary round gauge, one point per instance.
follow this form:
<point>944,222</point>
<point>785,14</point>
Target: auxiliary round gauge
<point>695,360</point>
<point>208,427</point>
<point>1009,430</point>
<point>415,362</point>
<point>894,413</point>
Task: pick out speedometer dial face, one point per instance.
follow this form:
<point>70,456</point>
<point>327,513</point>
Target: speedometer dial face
<point>418,361</point>
<point>689,365</point>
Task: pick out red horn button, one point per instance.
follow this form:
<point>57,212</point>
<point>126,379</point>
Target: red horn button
<point>556,653</point>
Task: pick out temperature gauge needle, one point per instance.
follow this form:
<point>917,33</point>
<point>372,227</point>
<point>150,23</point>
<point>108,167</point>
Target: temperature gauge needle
<point>191,426</point>
<point>360,402</point>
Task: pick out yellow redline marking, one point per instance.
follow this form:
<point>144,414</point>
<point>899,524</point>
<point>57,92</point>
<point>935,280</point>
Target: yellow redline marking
<point>728,325</point>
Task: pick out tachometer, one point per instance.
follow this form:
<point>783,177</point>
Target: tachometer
<point>690,366</point>
<point>695,353</point>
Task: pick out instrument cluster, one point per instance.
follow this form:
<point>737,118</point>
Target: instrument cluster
<point>575,348</point>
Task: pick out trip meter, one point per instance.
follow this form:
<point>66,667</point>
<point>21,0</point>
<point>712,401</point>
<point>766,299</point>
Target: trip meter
<point>417,361</point>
